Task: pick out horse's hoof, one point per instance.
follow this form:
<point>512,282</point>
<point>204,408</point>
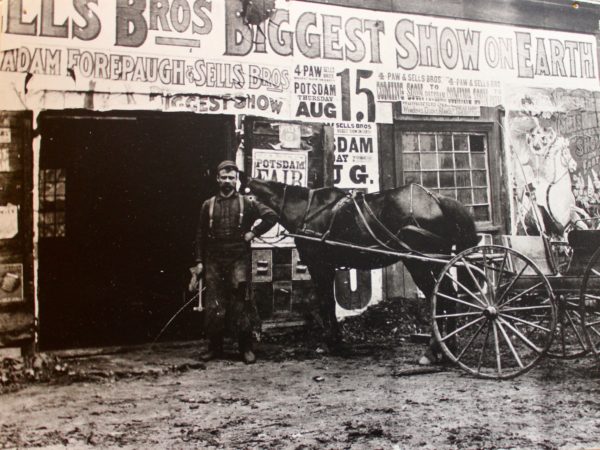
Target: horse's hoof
<point>429,358</point>
<point>425,361</point>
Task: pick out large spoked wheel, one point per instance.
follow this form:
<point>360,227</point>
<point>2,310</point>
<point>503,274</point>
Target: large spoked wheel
<point>589,303</point>
<point>493,312</point>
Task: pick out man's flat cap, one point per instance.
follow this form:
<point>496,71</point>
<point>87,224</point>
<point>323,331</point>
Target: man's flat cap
<point>227,164</point>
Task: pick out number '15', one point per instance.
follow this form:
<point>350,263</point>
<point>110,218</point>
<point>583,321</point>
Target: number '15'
<point>346,98</point>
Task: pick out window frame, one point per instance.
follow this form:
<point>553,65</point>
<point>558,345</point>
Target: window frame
<point>53,207</point>
<point>489,124</point>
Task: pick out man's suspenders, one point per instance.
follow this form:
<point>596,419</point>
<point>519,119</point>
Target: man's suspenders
<point>211,210</point>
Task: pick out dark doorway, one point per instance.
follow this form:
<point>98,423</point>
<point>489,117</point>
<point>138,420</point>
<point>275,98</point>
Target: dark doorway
<point>117,269</point>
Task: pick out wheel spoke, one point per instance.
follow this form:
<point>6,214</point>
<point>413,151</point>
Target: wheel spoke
<point>445,316</point>
<point>468,267</point>
<point>485,341</point>
<point>467,290</point>
<point>595,272</point>
<point>466,325</point>
<point>502,268</point>
<point>594,329</point>
<point>458,300</point>
<point>522,336</point>
<point>525,322</point>
<point>591,324</point>
<point>497,347</point>
<point>471,340</point>
<point>510,345</point>
<point>528,308</point>
<point>511,284</point>
<point>573,304</point>
<point>521,294</point>
<point>575,329</point>
<point>593,297</point>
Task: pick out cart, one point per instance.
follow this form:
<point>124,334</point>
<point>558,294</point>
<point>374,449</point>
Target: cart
<point>515,303</point>
<point>518,303</point>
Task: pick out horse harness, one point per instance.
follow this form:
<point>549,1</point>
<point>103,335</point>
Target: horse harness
<point>357,196</point>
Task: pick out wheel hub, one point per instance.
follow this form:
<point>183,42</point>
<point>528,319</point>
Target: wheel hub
<point>490,312</point>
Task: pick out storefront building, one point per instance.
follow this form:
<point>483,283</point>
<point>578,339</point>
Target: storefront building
<point>114,114</point>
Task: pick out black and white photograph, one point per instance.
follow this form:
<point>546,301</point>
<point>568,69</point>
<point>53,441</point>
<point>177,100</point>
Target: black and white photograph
<point>300,224</point>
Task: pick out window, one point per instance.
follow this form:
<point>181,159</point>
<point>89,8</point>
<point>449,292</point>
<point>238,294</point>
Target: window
<point>52,202</point>
<point>453,164</point>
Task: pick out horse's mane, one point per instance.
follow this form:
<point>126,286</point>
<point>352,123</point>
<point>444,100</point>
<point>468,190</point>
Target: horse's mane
<point>301,190</point>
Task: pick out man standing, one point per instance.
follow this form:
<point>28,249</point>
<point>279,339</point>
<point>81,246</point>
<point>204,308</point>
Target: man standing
<point>225,230</point>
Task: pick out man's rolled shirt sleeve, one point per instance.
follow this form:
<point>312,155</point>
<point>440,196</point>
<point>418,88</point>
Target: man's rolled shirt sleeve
<point>268,218</point>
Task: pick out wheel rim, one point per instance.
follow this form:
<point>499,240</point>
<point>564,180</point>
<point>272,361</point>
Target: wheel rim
<point>495,319</point>
<point>589,303</point>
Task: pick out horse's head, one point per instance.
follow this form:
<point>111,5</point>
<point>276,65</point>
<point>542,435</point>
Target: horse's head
<point>268,192</point>
<point>289,202</point>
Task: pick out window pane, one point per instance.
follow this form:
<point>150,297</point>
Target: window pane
<point>47,224</point>
<point>464,196</point>
<point>444,142</point>
<point>60,190</point>
<point>412,177</point>
<point>481,213</point>
<point>480,196</point>
<point>462,160</point>
<point>463,178</point>
<point>446,179</point>
<point>410,143</point>
<point>430,179</point>
<point>448,193</point>
<point>446,160</point>
<point>49,192</point>
<point>60,224</point>
<point>478,161</point>
<point>429,161</point>
<point>479,178</point>
<point>460,142</point>
<point>427,142</point>
<point>411,161</point>
<point>477,143</point>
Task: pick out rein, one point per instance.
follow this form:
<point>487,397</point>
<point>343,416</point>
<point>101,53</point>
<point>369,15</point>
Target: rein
<point>282,203</point>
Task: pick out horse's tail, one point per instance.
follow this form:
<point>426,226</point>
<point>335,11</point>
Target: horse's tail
<point>464,232</point>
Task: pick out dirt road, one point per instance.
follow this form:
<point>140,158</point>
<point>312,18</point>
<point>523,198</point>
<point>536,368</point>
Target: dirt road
<point>293,398</point>
<point>298,396</point>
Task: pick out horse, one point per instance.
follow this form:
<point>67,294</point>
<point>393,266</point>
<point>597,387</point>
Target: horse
<point>408,220</point>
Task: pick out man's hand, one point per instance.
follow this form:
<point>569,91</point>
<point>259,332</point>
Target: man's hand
<point>249,236</point>
<point>196,274</point>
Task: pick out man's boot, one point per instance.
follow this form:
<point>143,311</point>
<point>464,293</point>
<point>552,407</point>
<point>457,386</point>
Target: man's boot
<point>245,345</point>
<point>215,349</point>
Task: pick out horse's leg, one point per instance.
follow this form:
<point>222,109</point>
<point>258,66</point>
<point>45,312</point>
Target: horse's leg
<point>323,278</point>
<point>425,275</point>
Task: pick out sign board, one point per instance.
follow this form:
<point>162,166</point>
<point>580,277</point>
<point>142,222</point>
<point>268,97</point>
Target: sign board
<point>306,62</point>
<point>11,283</point>
<point>289,167</point>
<point>356,164</point>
